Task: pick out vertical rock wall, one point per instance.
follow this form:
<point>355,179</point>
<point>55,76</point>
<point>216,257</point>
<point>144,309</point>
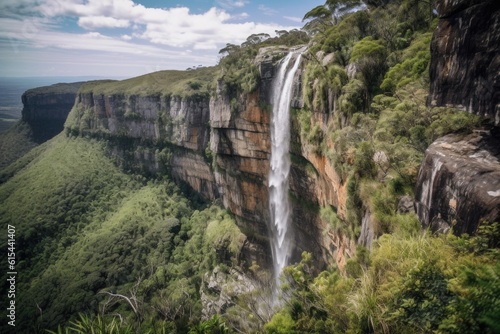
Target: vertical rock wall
<point>465,63</point>
<point>45,109</point>
<point>459,181</point>
<point>163,132</point>
<point>220,147</point>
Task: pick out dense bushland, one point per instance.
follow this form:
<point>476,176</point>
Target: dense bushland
<point>410,282</point>
<point>15,142</point>
<point>92,239</point>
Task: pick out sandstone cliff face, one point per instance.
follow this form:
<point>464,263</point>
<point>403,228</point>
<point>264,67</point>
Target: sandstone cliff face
<point>179,121</point>
<point>459,183</point>
<point>241,144</point>
<point>220,147</point>
<point>46,109</point>
<point>465,64</point>
<point>312,188</point>
<point>163,132</point>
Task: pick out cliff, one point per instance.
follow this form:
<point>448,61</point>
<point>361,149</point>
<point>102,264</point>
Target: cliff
<point>240,140</point>
<point>219,146</point>
<point>465,63</point>
<point>167,122</point>
<point>459,183</point>
<point>151,130</point>
<point>46,108</point>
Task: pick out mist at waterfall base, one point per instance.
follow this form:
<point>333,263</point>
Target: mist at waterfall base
<point>281,233</point>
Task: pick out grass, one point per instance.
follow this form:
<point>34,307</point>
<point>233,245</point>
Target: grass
<point>60,88</point>
<point>170,82</point>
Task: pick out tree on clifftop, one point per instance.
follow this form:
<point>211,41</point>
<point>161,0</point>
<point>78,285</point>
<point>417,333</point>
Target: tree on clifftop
<point>332,10</point>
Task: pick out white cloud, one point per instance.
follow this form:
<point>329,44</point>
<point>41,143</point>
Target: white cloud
<point>240,16</point>
<point>228,4</point>
<point>180,23</point>
<point>172,35</point>
<point>90,53</point>
<point>267,10</point>
<point>93,22</point>
<point>293,18</point>
<point>175,27</point>
<point>40,37</point>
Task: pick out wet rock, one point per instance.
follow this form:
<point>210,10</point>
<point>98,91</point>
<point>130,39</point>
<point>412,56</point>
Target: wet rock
<point>367,232</point>
<point>465,57</point>
<point>459,183</point>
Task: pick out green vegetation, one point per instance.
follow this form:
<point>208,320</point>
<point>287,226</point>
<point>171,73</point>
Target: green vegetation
<point>408,283</point>
<point>238,70</point>
<point>60,88</point>
<point>93,239</point>
<point>368,72</point>
<point>14,143</point>
<point>175,83</point>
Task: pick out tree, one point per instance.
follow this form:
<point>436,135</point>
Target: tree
<point>255,39</point>
<point>332,10</point>
<point>229,49</point>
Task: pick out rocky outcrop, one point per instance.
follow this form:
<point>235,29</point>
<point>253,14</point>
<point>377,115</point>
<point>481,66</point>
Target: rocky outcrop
<point>220,290</point>
<point>465,63</point>
<point>45,109</point>
<point>459,183</point>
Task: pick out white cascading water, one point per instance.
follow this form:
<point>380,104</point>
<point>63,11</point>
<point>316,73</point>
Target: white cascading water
<point>424,208</point>
<point>281,234</point>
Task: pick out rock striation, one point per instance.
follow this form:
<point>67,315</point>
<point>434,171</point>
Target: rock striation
<point>465,57</point>
<point>218,146</point>
<point>154,131</point>
<point>459,183</point>
<point>45,109</point>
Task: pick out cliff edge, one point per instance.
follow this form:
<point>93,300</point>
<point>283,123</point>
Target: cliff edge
<point>46,109</point>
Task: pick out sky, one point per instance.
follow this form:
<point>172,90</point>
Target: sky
<point>125,38</point>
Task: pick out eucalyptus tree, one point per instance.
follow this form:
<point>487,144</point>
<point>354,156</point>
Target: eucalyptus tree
<point>332,10</point>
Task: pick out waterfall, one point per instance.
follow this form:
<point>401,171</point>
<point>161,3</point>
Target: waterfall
<point>280,232</point>
<point>425,204</point>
